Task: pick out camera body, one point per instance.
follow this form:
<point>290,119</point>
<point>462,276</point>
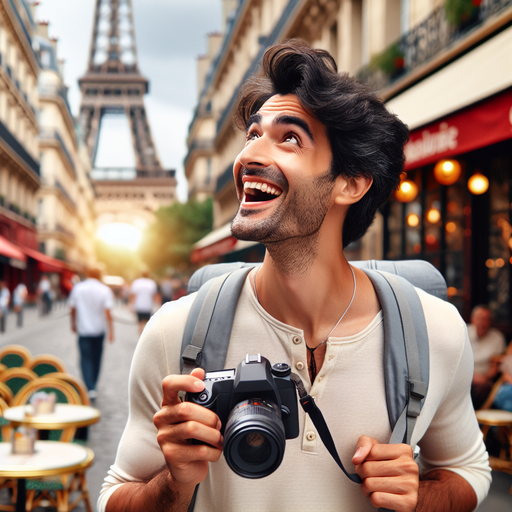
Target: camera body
<point>257,406</point>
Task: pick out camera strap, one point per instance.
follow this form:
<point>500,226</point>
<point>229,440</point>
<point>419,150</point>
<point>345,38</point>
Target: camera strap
<point>310,407</point>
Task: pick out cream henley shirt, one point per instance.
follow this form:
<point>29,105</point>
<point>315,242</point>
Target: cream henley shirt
<point>349,390</point>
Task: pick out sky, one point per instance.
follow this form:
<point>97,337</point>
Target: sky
<point>170,35</point>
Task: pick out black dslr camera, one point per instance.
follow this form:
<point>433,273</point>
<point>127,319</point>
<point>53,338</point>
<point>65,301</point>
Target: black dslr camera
<point>257,406</point>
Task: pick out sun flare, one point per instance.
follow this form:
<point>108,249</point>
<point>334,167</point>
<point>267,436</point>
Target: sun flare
<point>120,235</point>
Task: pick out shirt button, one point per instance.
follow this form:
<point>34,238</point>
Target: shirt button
<point>299,365</point>
<point>310,436</point>
<point>297,340</point>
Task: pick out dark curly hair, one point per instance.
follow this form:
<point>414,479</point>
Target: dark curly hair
<point>366,139</point>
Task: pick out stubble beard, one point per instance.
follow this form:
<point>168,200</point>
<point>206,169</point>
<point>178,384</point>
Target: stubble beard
<point>291,234</point>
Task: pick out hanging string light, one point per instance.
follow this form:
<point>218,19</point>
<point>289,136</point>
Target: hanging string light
<point>407,191</point>
<point>447,172</point>
<point>478,183</point>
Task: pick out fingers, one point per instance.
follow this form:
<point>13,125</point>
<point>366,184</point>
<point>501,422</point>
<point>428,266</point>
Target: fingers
<point>173,384</point>
<point>390,475</point>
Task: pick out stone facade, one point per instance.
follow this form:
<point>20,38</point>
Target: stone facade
<point>66,198</point>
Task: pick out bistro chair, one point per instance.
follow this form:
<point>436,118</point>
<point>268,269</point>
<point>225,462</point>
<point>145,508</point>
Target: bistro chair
<point>13,356</point>
<point>66,491</point>
<point>2,367</point>
<point>5,392</point>
<point>5,435</point>
<point>15,378</point>
<point>75,382</point>
<point>45,364</point>
<point>502,422</point>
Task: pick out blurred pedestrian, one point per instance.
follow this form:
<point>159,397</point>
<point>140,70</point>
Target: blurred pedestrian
<point>5,297</point>
<point>91,302</point>
<point>143,293</point>
<point>166,289</point>
<point>487,343</point>
<point>44,293</point>
<point>19,295</point>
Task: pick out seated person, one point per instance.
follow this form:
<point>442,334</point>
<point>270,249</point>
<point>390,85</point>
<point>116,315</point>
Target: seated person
<point>503,399</point>
<point>487,343</point>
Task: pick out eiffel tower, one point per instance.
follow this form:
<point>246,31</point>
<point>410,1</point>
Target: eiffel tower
<point>113,84</point>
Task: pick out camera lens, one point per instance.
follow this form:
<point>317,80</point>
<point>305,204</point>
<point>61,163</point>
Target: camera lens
<point>254,439</point>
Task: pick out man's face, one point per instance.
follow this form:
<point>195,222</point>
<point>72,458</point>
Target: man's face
<point>282,175</point>
<point>481,319</point>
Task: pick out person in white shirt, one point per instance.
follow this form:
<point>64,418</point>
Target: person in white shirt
<point>488,343</point>
<point>18,300</point>
<point>322,154</point>
<point>143,293</point>
<point>91,302</point>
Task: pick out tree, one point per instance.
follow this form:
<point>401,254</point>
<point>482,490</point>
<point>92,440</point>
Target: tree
<point>168,241</point>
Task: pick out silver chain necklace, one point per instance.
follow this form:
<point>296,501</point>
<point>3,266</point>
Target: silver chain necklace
<point>312,362</point>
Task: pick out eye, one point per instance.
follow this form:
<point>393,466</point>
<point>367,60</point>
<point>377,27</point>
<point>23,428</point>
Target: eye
<point>292,138</point>
<point>251,135</point>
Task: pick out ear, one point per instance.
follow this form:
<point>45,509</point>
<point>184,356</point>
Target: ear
<point>350,190</point>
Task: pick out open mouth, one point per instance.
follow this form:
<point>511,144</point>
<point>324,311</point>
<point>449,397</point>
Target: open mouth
<point>256,191</point>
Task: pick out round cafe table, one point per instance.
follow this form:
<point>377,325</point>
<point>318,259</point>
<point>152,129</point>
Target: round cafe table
<point>64,415</point>
<point>49,458</point>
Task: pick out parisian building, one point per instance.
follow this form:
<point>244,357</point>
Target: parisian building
<point>444,68</point>
<point>19,146</point>
<point>66,215</point>
<point>46,197</point>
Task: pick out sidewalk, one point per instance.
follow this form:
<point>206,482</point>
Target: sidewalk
<point>52,335</point>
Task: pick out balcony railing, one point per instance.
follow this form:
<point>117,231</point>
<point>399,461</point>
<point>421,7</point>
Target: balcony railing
<point>51,133</point>
<point>444,27</point>
<point>57,90</point>
<point>13,142</point>
<point>199,145</point>
<point>225,178</point>
<point>64,192</point>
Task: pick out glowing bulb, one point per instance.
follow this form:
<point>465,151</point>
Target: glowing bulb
<point>478,183</point>
<point>407,191</point>
<point>413,220</point>
<point>433,216</point>
<point>451,227</point>
<point>447,172</point>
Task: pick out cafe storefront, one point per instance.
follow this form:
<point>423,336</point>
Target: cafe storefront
<point>454,205</point>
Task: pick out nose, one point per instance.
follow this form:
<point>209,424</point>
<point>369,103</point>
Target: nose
<point>257,153</point>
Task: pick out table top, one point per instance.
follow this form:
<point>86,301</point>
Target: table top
<point>65,415</point>
<point>494,416</point>
<point>50,458</point>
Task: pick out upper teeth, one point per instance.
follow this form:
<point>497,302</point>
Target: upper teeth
<point>264,187</point>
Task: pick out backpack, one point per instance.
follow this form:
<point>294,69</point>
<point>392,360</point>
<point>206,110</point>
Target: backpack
<point>406,352</point>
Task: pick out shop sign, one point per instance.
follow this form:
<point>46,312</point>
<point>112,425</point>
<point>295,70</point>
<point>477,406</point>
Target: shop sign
<point>478,126</point>
<point>216,249</point>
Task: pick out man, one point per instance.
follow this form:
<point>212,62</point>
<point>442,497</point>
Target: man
<point>143,293</point>
<point>19,296</point>
<point>44,294</point>
<point>487,344</point>
<point>322,154</point>
<point>91,302</point>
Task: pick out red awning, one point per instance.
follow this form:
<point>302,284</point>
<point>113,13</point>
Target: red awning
<point>481,125</point>
<point>16,257</point>
<point>216,249</point>
<point>46,263</point>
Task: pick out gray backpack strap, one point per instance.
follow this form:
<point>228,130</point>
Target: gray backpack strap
<point>406,352</point>
<point>208,328</point>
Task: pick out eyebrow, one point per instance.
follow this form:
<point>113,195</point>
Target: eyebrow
<point>287,119</point>
<point>282,120</point>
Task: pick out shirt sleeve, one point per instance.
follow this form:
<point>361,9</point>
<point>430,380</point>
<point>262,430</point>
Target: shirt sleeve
<point>453,440</point>
<point>157,355</point>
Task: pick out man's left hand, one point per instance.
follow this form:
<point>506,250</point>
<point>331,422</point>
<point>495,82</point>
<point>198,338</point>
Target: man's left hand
<point>389,473</point>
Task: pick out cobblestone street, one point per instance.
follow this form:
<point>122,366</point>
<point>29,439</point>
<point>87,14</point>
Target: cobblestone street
<point>52,335</point>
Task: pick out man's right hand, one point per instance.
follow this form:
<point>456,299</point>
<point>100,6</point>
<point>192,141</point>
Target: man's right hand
<point>179,422</point>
